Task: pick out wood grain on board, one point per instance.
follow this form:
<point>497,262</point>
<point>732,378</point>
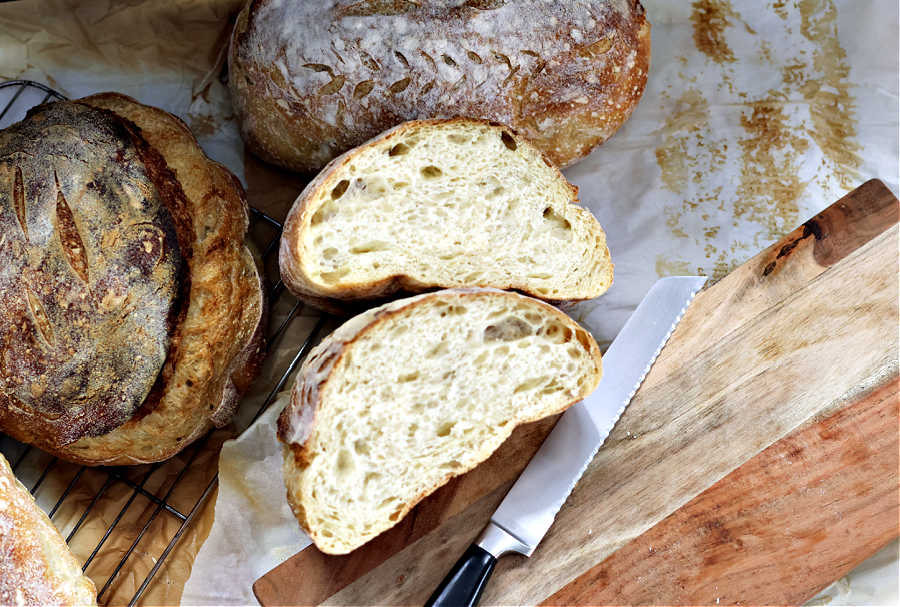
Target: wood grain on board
<point>799,332</point>
<point>829,489</point>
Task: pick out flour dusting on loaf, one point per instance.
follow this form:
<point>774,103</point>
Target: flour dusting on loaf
<point>312,79</point>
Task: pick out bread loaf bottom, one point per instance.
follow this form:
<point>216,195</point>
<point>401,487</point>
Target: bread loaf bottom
<point>406,396</point>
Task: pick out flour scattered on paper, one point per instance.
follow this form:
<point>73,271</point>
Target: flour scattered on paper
<point>798,129</point>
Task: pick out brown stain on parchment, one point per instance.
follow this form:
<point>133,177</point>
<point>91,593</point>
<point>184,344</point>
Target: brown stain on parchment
<point>810,109</point>
<point>690,115</point>
<point>779,7</point>
<point>769,186</point>
<point>710,19</point>
<point>831,106</point>
<point>665,267</point>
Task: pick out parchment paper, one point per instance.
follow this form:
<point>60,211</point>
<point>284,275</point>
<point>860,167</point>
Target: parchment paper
<point>756,116</point>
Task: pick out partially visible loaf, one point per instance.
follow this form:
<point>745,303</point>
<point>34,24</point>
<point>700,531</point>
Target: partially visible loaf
<point>310,80</point>
<point>437,204</point>
<point>36,567</point>
<point>123,246</point>
<point>404,397</point>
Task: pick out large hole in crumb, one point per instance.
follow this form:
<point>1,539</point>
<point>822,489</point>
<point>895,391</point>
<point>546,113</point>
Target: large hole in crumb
<point>332,277</point>
<point>529,384</point>
<point>339,189</point>
<point>408,377</point>
<point>510,328</point>
<point>431,172</point>
<point>445,428</point>
<point>583,339</point>
<point>508,141</point>
<point>344,462</point>
<point>398,150</point>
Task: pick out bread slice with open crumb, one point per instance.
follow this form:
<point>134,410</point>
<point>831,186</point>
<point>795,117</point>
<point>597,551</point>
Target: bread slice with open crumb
<point>404,397</point>
<point>437,204</point>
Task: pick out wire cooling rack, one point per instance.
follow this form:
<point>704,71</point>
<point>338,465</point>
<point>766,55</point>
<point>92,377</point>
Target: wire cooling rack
<point>17,96</point>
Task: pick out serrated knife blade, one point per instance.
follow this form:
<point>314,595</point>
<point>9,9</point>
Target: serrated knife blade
<point>528,510</point>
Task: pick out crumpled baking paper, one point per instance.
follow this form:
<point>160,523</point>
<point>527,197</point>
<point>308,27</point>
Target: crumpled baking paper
<point>756,116</point>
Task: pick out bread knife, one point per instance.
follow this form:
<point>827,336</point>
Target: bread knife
<point>530,507</point>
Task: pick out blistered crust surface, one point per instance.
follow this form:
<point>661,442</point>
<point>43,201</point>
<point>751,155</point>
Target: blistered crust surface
<point>90,273</point>
<point>214,348</point>
<point>310,80</point>
<point>36,567</point>
<point>220,345</point>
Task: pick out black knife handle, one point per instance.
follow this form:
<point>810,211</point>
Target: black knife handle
<point>466,581</point>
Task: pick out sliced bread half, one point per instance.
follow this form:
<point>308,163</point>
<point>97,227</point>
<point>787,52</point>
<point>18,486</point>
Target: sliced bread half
<point>404,397</point>
<point>442,203</point>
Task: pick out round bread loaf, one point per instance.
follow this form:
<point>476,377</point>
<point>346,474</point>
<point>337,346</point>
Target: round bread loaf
<point>133,306</point>
<point>36,567</point>
<point>310,80</point>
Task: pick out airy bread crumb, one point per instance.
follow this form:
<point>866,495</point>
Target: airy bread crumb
<point>406,396</point>
<point>443,203</point>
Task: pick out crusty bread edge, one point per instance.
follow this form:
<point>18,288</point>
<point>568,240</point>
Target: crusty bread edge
<point>290,258</point>
<point>297,421</point>
<point>240,370</point>
<point>273,111</point>
<point>35,535</point>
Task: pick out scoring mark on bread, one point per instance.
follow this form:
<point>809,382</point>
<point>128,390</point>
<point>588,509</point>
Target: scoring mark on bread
<point>40,317</point>
<point>19,201</point>
<point>333,86</point>
<point>399,86</point>
<point>363,88</point>
<point>69,237</point>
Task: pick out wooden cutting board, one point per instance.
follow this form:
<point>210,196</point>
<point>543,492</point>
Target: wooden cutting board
<point>757,463</point>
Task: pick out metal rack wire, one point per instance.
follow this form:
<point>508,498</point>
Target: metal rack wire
<point>23,94</point>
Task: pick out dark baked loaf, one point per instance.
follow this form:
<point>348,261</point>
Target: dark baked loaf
<point>133,306</point>
<point>310,81</point>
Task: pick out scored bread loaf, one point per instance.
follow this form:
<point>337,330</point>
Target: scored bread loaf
<point>442,203</point>
<point>404,397</point>
<point>133,306</point>
<point>36,567</point>
<point>310,80</point>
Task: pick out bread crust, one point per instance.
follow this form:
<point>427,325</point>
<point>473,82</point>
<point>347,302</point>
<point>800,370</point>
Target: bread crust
<point>218,347</point>
<point>310,81</point>
<point>347,298</point>
<point>96,259</point>
<point>297,422</point>
<point>36,567</point>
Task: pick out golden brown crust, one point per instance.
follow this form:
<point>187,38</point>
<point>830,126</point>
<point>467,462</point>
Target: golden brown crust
<point>36,567</point>
<point>345,299</point>
<point>296,423</point>
<point>309,82</point>
<point>219,342</point>
<point>96,257</point>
